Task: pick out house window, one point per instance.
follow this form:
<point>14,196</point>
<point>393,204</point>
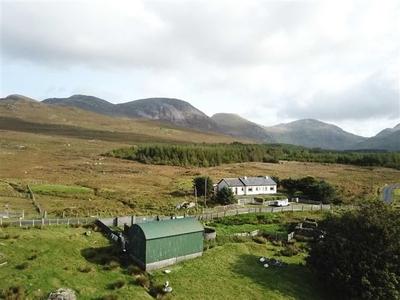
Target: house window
<point>250,189</point>
<point>271,188</point>
<point>242,189</point>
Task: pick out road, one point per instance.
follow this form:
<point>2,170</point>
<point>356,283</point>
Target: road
<point>387,192</point>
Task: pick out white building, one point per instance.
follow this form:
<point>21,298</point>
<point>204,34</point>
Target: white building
<point>249,185</point>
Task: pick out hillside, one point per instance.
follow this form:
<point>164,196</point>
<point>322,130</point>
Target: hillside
<point>387,139</point>
<point>307,132</point>
<point>314,134</point>
<point>19,113</point>
<point>236,126</point>
<point>169,110</point>
<point>88,103</point>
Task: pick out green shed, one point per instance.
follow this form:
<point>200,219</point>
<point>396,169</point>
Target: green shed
<point>157,244</point>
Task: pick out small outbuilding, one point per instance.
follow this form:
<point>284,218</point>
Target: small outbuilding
<point>157,244</point>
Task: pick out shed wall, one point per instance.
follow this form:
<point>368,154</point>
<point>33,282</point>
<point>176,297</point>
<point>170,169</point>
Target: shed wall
<point>174,246</point>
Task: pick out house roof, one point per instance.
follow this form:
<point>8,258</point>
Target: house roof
<point>249,181</point>
<point>171,227</point>
<point>233,182</point>
<point>257,181</point>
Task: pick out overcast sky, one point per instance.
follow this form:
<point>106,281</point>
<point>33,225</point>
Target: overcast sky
<point>270,62</point>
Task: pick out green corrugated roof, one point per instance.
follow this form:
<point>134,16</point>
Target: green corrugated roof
<point>170,227</point>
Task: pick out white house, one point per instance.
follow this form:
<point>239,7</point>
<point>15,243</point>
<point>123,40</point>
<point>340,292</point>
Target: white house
<point>249,185</point>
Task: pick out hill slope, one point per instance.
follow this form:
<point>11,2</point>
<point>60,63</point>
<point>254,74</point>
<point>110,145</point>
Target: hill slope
<point>236,126</point>
<point>314,134</point>
<point>22,114</point>
<point>88,103</point>
<point>170,110</point>
<point>387,139</point>
<point>307,132</point>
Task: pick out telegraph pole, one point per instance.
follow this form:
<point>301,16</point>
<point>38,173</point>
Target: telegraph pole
<point>205,191</point>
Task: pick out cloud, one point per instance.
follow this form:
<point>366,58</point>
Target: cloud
<point>265,60</point>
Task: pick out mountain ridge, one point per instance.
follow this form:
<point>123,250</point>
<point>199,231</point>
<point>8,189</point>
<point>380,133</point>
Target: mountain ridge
<point>305,132</point>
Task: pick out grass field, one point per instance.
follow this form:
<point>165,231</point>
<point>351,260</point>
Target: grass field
<point>43,259</point>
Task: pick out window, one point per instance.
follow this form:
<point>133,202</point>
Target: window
<point>271,188</point>
<point>250,189</point>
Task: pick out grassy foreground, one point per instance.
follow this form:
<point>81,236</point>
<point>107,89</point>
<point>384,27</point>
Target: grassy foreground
<point>43,259</point>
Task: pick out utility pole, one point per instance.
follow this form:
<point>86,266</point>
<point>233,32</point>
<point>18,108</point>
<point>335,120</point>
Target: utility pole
<point>205,191</point>
<point>195,196</point>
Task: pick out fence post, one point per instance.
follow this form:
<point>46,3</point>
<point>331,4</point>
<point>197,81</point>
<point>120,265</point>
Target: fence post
<point>68,222</point>
<point>20,222</point>
<point>33,222</point>
<point>42,221</point>
<point>57,221</point>
<point>23,215</point>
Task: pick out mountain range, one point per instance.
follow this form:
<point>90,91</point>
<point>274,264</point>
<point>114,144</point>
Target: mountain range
<point>310,133</point>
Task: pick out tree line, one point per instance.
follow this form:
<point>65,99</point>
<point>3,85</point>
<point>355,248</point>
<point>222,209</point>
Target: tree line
<point>211,155</point>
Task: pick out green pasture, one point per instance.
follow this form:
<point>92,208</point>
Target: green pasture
<point>60,190</point>
<point>44,259</point>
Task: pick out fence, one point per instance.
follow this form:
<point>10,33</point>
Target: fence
<point>129,220</point>
<point>50,222</point>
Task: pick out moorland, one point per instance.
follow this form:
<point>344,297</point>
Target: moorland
<point>60,153</point>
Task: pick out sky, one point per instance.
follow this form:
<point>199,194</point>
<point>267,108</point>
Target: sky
<point>270,62</point>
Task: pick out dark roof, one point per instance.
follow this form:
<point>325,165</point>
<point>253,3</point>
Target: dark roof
<point>257,181</point>
<point>170,227</point>
<point>233,182</point>
<point>249,181</point>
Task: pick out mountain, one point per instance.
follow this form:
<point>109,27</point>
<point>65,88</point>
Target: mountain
<point>314,134</point>
<point>175,111</point>
<point>90,103</point>
<point>387,139</point>
<point>24,115</point>
<point>236,126</point>
<point>307,132</point>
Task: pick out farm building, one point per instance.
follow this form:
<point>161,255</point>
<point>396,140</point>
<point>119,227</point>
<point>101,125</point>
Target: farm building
<point>249,185</point>
<point>158,244</point>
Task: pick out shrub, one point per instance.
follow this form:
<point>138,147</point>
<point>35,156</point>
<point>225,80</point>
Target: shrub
<point>23,266</point>
<point>260,239</point>
<point>76,225</point>
<point>41,227</point>
<point>119,283</point>
<point>86,269</point>
<point>33,257</point>
<point>112,265</point>
<point>290,250</point>
<point>7,236</point>
<point>134,270</point>
<point>14,293</point>
<point>143,281</point>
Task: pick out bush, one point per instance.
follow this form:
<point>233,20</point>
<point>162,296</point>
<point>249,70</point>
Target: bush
<point>290,250</point>
<point>119,283</point>
<point>112,265</point>
<point>260,239</point>
<point>143,281</point>
<point>134,270</point>
<point>23,266</point>
<point>33,257</point>
<point>86,269</point>
<point>14,293</point>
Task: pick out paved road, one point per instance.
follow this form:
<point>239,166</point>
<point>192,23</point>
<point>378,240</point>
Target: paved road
<point>387,192</point>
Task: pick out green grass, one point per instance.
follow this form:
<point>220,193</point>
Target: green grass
<point>60,190</point>
<point>233,271</point>
<point>43,260</point>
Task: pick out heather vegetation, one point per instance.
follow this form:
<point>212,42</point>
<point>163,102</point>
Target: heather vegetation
<point>211,155</point>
